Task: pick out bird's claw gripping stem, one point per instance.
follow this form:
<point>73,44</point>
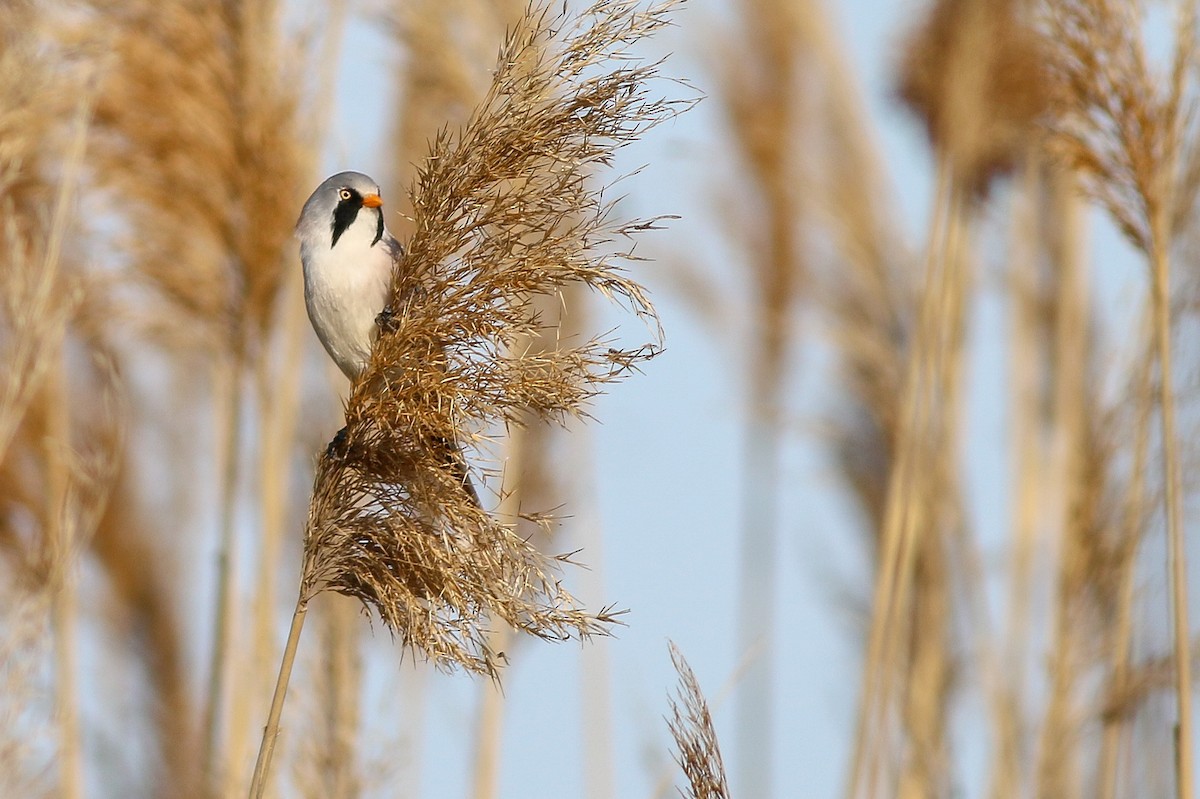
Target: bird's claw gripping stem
<point>386,320</point>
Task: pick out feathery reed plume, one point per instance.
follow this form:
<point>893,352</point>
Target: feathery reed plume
<point>691,726</point>
<point>197,138</point>
<point>1052,352</point>
<point>1130,133</point>
<point>503,212</point>
<point>761,98</point>
<point>448,47</point>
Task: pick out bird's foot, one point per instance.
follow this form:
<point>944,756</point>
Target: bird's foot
<point>386,320</point>
<point>337,448</point>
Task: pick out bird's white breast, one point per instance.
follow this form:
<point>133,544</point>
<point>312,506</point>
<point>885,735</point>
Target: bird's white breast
<point>345,288</point>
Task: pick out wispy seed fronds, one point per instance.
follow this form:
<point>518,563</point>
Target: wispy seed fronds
<point>691,726</point>
<point>505,210</point>
<point>1118,121</point>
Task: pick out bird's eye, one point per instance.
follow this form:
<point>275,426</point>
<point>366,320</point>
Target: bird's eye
<point>344,194</point>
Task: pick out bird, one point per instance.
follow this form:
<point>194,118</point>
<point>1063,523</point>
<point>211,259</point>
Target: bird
<point>348,257</point>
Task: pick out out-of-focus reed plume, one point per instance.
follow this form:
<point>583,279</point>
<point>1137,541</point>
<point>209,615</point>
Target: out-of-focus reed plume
<point>975,73</point>
<point>761,96</point>
<point>504,211</point>
<point>1129,132</point>
<point>197,143</point>
<point>699,754</point>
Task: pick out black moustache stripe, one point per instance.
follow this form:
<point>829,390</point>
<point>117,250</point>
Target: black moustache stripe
<point>378,230</point>
<point>345,214</point>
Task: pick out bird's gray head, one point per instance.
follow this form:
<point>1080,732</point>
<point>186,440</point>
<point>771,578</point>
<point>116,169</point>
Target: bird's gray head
<point>344,201</point>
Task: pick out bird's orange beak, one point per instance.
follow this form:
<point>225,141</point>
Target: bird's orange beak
<point>372,201</point>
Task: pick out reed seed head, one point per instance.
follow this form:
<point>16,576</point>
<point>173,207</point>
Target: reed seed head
<point>505,210</point>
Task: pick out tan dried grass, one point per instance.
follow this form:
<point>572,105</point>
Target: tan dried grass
<point>698,752</point>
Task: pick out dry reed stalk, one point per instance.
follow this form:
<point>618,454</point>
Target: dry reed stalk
<point>1129,132</point>
<point>197,140</point>
<point>1080,464</point>
<point>63,604</point>
<point>864,761</point>
<point>917,646</point>
<point>1026,369</point>
<point>1098,544</point>
<point>761,100</point>
<point>489,730</point>
<point>227,448</point>
<point>503,212</point>
<point>1051,349</point>
<point>1116,726</point>
<point>699,754</point>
